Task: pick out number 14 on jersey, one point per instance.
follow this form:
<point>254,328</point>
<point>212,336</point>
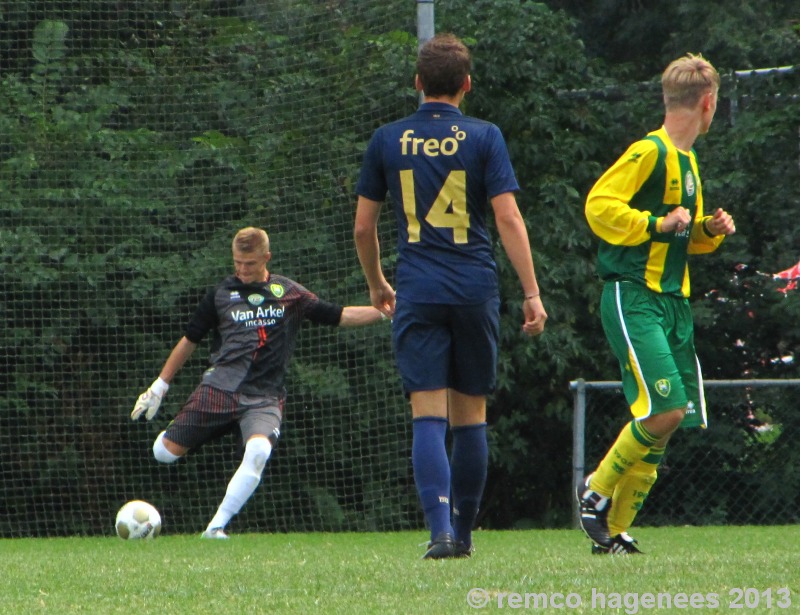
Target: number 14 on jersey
<point>449,210</point>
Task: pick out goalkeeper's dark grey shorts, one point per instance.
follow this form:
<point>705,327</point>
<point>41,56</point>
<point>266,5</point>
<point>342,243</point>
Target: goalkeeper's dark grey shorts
<point>210,413</point>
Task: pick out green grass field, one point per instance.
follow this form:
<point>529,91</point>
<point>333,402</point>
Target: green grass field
<point>382,573</point>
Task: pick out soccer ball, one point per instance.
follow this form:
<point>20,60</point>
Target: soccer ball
<point>138,519</point>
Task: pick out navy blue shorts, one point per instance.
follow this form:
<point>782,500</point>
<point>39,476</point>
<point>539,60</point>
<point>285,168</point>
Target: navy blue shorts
<point>439,346</point>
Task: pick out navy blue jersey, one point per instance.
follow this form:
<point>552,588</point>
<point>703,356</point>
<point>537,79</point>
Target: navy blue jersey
<point>255,326</point>
<point>440,168</point>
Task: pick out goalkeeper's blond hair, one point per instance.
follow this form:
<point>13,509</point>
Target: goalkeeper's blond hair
<point>686,79</point>
<point>251,240</point>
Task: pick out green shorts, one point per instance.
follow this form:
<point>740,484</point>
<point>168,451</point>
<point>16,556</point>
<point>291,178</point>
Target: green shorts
<point>652,336</point>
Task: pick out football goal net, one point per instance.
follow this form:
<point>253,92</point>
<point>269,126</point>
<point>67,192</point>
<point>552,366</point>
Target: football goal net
<point>136,138</point>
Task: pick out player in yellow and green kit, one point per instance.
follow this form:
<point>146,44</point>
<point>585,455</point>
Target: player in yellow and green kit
<point>647,211</point>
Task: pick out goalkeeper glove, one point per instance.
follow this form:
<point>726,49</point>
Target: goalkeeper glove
<point>150,400</point>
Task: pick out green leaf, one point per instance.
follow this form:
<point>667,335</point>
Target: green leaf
<point>49,41</point>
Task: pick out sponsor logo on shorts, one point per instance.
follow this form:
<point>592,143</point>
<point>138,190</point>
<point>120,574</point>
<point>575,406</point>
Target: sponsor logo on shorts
<point>277,290</point>
<point>690,408</point>
<point>663,387</point>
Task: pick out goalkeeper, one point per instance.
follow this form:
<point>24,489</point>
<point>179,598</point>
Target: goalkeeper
<point>255,316</point>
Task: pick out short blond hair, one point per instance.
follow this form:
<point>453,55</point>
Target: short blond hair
<point>686,80</point>
<point>251,240</point>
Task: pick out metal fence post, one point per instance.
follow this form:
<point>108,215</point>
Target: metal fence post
<point>578,443</point>
<point>426,27</point>
<point>582,392</point>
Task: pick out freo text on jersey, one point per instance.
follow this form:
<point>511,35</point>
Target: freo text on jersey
<point>411,145</point>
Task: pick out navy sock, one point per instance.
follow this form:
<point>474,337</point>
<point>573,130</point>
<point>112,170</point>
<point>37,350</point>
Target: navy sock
<point>468,464</point>
<point>432,471</point>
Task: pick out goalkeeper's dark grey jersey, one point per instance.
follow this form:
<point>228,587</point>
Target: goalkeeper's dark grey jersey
<point>255,327</point>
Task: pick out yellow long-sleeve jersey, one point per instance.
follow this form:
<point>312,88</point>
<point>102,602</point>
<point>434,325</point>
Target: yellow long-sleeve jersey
<point>627,204</point>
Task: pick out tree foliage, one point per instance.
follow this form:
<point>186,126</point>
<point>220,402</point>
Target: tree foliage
<point>178,125</point>
<point>153,194</point>
<point>570,89</point>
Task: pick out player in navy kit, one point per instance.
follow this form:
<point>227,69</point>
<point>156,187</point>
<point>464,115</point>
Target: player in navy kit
<point>441,169</point>
<point>255,316</point>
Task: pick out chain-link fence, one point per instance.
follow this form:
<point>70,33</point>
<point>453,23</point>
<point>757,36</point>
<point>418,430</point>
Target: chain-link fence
<point>743,469</point>
<point>135,139</point>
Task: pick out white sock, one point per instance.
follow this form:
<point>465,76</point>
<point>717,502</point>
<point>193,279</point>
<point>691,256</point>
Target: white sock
<point>244,481</point>
<point>160,451</point>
